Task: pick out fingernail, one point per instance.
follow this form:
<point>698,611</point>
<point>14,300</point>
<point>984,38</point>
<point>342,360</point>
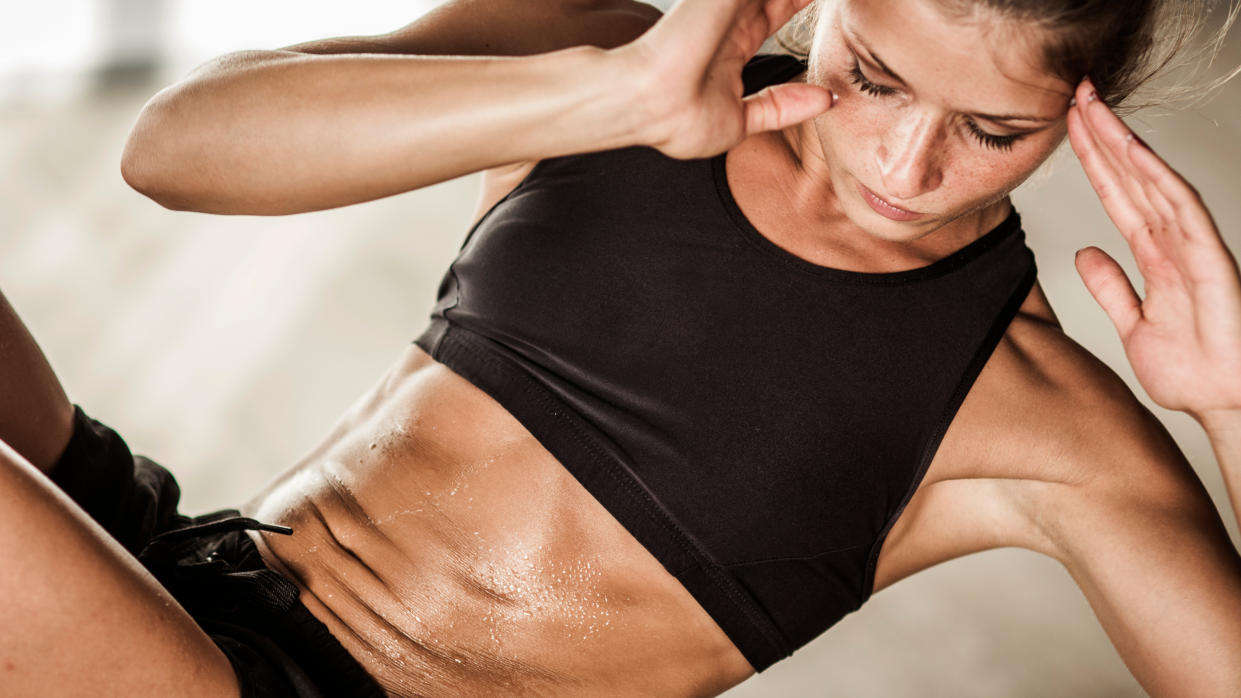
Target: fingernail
<point>1092,96</point>
<point>1073,102</point>
<point>835,98</point>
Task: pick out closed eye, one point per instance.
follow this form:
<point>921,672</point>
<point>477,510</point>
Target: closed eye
<point>988,140</point>
<point>857,78</point>
<point>991,140</point>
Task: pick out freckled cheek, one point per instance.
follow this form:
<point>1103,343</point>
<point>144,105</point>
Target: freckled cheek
<point>989,171</point>
<point>852,131</point>
<point>987,176</point>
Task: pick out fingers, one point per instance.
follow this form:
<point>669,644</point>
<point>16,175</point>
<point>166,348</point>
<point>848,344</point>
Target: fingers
<point>1110,288</point>
<point>1171,210</point>
<point>1178,198</point>
<point>779,106</point>
<point>1155,189</point>
<point>1120,145</point>
<point>1102,175</point>
<point>1120,169</point>
<point>749,21</point>
<point>702,23</point>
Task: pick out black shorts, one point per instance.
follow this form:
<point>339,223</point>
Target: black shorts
<point>212,568</point>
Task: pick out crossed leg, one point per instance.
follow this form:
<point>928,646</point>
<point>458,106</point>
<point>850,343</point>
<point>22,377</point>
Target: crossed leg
<point>78,614</point>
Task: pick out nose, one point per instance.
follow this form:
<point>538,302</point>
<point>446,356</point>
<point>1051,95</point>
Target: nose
<point>909,158</point>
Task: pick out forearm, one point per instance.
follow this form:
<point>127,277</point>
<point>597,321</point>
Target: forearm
<point>1223,428</point>
<point>278,132</point>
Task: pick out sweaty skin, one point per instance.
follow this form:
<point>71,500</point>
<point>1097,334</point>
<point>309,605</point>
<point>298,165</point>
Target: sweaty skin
<point>453,555</point>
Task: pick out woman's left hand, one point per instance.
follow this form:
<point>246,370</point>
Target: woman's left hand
<point>1184,338</point>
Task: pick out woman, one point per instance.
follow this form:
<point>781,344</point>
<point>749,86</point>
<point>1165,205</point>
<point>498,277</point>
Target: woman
<point>494,519</point>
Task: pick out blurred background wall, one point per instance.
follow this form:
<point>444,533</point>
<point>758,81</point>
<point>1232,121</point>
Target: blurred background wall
<point>224,347</point>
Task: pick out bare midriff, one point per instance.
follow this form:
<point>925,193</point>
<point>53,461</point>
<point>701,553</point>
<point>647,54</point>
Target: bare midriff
<point>452,555</point>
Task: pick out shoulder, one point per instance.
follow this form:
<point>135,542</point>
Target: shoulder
<point>1085,416</point>
<point>1076,438</point>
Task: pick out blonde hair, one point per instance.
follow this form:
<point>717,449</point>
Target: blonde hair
<point>1137,53</point>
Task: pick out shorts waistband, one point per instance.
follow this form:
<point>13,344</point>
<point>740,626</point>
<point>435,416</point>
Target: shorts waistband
<point>251,611</point>
<point>221,521</point>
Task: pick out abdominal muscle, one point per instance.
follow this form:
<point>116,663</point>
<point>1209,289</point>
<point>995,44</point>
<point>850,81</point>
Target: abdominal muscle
<point>452,555</point>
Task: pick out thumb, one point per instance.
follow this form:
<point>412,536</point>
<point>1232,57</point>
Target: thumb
<point>1111,289</point>
<point>778,106</point>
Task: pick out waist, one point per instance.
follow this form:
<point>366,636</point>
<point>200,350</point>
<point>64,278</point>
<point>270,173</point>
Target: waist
<point>451,554</point>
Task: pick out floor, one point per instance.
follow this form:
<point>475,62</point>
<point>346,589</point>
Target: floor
<point>225,346</point>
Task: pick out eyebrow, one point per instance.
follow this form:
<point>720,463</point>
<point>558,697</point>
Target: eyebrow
<point>873,58</point>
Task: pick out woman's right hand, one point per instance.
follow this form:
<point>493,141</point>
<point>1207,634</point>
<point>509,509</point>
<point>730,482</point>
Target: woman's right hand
<point>689,67</point>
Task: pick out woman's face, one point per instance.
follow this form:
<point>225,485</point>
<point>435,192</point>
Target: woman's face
<point>939,118</point>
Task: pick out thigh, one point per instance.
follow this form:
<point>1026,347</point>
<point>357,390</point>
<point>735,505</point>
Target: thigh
<point>79,615</point>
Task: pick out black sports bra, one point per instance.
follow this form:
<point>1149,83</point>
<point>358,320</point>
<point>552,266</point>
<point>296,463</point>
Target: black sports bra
<point>756,420</point>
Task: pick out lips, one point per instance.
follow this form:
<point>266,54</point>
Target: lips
<point>886,209</point>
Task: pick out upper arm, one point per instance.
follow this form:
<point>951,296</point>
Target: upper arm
<point>1060,457</point>
<point>1144,542</point>
<point>503,28</point>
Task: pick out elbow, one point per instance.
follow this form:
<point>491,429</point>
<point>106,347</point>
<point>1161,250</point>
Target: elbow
<point>139,173</point>
<point>135,162</point>
<point>181,153</point>
<point>148,157</point>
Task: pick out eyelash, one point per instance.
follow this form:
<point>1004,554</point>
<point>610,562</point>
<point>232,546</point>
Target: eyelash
<point>988,140</point>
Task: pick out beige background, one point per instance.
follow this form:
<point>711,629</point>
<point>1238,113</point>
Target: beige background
<point>224,347</point>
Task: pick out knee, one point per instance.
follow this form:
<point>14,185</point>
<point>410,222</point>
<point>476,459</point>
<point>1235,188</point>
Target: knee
<point>41,440</point>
